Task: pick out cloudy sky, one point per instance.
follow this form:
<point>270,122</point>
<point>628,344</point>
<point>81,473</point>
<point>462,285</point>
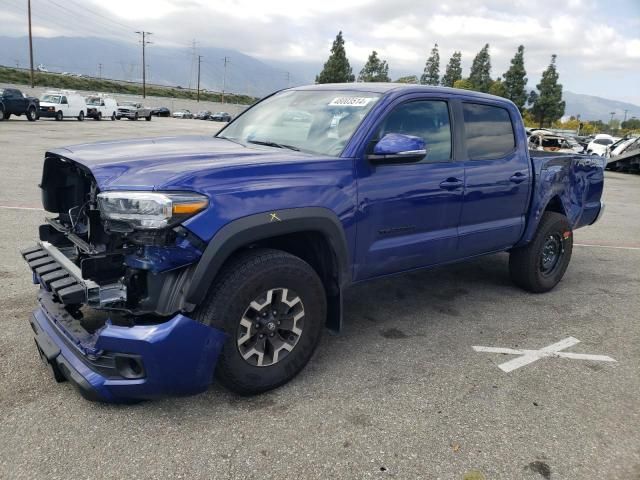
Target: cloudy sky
<point>597,42</point>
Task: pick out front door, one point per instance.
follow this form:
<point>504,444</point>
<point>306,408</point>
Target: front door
<point>409,212</point>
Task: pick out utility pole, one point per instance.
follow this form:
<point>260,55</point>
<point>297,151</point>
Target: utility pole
<point>30,41</point>
<point>611,120</point>
<point>145,42</point>
<point>224,78</point>
<point>625,115</point>
<point>100,71</point>
<point>199,61</point>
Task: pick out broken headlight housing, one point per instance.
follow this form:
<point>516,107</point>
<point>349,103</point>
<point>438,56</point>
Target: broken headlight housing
<point>150,210</point>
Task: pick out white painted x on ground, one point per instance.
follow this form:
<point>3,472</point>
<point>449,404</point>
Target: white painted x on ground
<point>529,356</point>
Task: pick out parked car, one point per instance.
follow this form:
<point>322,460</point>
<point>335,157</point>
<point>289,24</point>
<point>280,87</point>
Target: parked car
<point>202,115</point>
<point>60,104</point>
<point>622,146</point>
<point>546,141</point>
<point>598,146</point>
<point>182,114</point>
<point>220,117</point>
<point>14,102</point>
<point>161,112</point>
<point>99,106</point>
<point>133,111</point>
<point>228,255</point>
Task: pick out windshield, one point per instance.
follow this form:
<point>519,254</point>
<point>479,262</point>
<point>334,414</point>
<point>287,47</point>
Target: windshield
<point>50,98</point>
<point>311,121</point>
<point>93,101</point>
<point>128,104</point>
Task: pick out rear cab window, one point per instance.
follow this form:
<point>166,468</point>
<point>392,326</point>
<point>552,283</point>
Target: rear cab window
<point>488,131</point>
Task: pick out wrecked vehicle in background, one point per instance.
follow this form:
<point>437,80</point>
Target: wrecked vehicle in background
<point>547,141</point>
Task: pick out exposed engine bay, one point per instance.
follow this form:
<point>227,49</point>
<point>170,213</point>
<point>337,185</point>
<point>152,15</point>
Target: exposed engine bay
<point>106,263</point>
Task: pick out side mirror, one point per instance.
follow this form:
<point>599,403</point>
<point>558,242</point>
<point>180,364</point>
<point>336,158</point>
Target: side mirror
<point>398,148</point>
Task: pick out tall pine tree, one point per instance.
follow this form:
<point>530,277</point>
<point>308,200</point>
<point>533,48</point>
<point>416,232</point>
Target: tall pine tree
<point>548,105</point>
<point>337,68</point>
<point>453,72</point>
<point>431,74</point>
<point>480,76</point>
<point>375,70</point>
<point>515,80</point>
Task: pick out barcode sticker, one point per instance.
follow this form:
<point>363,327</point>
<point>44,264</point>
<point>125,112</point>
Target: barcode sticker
<point>350,101</point>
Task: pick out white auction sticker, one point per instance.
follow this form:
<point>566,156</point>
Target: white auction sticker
<point>350,101</point>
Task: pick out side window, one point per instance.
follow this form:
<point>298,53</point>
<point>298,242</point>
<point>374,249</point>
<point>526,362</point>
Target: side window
<point>64,100</point>
<point>488,131</point>
<point>427,119</point>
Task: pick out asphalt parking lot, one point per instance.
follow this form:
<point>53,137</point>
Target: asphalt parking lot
<point>400,393</point>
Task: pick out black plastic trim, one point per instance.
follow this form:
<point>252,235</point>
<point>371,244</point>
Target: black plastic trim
<point>261,226</point>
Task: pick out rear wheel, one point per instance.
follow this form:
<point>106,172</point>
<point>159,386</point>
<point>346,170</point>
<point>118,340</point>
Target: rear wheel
<point>81,116</point>
<point>540,265</point>
<point>148,118</point>
<point>273,307</point>
<point>32,114</point>
<point>1,113</point>
<point>113,116</point>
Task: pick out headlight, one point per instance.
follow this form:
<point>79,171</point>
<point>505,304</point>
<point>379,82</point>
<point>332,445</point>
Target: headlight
<point>150,210</point>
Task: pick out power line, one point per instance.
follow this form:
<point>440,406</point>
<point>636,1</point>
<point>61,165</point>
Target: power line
<point>144,65</point>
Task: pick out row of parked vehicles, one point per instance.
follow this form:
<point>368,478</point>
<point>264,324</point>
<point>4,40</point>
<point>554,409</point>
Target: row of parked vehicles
<point>61,104</point>
<point>203,115</point>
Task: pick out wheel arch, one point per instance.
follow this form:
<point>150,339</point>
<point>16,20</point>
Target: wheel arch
<point>314,234</point>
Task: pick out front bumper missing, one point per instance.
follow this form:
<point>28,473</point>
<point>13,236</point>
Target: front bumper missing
<point>178,356</point>
<point>56,273</point>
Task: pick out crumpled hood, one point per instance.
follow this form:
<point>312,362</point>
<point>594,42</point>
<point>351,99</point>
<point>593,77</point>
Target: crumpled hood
<point>168,162</point>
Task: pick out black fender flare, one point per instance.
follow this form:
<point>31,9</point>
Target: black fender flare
<point>261,226</point>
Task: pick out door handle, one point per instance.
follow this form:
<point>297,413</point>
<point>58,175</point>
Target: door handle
<point>518,177</point>
<point>451,183</point>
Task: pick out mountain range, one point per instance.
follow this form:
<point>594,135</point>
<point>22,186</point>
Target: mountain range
<point>243,73</point>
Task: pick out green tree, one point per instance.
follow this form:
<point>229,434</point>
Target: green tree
<point>375,70</point>
<point>463,83</point>
<point>515,80</point>
<point>498,88</point>
<point>431,74</point>
<point>408,79</point>
<point>480,76</point>
<point>548,105</point>
<point>337,68</point>
<point>631,124</point>
<point>453,72</point>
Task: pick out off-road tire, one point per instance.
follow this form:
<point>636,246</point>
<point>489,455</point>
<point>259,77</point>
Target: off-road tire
<point>526,264</point>
<point>32,114</point>
<point>240,281</point>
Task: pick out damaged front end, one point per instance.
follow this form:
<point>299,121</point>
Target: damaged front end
<point>113,268</point>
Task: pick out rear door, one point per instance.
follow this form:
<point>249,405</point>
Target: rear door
<point>409,212</point>
<point>497,178</point>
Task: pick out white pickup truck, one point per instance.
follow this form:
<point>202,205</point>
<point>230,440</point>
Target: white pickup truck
<point>62,103</point>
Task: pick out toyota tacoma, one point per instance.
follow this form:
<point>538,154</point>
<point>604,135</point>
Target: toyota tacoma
<point>166,263</point>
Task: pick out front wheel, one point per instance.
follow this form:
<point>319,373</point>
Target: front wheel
<point>32,114</point>
<point>59,115</point>
<point>148,118</point>
<point>1,113</point>
<point>272,306</point>
<point>99,116</point>
<point>540,265</point>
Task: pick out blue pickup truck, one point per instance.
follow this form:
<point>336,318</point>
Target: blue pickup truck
<point>172,261</point>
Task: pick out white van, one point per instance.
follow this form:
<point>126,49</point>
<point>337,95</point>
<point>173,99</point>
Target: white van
<point>99,106</point>
<point>62,103</point>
